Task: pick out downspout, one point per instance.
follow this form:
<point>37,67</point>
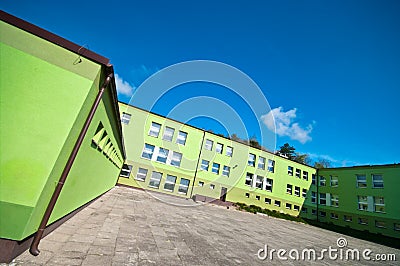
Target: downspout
<point>198,161</point>
<point>317,179</point>
<point>36,240</point>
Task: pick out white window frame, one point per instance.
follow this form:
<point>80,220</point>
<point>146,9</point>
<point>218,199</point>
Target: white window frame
<point>215,168</point>
<point>290,170</point>
<point>269,184</point>
<point>334,181</point>
<point>155,129</point>
<point>271,165</point>
<point>379,205</point>
<point>305,175</point>
<point>277,203</point>
<point>219,147</point>
<point>146,151</point>
<point>156,179</point>
<point>362,203</point>
<point>204,166</point>
<point>141,172</point>
<point>288,206</point>
<point>249,179</point>
<point>162,155</point>
<point>335,200</point>
<point>314,197</point>
<point>259,181</point>
<point>361,182</point>
<point>176,159</point>
<point>183,186</point>
<point>377,183</point>
<point>229,151</point>
<point>297,191</point>
<point>209,144</point>
<point>322,198</point>
<point>181,139</point>
<point>261,162</point>
<point>251,160</point>
<point>126,172</point>
<point>126,118</point>
<point>268,201</point>
<point>298,173</point>
<point>170,182</point>
<point>226,170</point>
<point>168,133</point>
<point>304,193</point>
<point>289,189</point>
<point>322,181</point>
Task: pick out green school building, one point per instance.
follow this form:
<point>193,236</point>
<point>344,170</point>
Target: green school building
<point>60,129</point>
<point>66,140</point>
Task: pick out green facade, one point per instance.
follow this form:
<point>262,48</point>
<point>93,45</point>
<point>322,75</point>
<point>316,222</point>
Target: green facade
<point>360,197</point>
<point>45,98</point>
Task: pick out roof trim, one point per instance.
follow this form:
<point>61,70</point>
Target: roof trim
<point>53,38</point>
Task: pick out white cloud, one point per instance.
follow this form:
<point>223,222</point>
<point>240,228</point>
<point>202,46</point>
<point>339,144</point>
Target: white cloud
<point>283,124</point>
<point>123,87</point>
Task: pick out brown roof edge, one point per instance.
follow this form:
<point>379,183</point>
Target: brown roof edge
<point>51,37</point>
<point>113,89</point>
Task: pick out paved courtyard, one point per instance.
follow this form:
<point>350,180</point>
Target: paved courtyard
<point>132,227</point>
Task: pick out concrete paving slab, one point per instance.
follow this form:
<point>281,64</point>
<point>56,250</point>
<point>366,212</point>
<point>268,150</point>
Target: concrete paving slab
<point>133,227</point>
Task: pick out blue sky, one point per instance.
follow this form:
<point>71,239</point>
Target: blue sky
<point>330,70</point>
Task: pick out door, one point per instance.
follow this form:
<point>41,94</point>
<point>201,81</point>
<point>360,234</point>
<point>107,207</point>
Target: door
<point>224,190</point>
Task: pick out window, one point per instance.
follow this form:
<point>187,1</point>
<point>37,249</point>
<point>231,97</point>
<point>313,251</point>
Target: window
<point>304,210</point>
<point>226,170</point>
<point>209,144</point>
<point>304,193</point>
<point>362,203</point>
<point>257,197</point>
<point>313,180</point>
<point>322,181</point>
<point>141,174</point>
<point>181,139</point>
<point>290,170</point>
<point>268,185</point>
<point>334,216</point>
<point>288,206</point>
<point>296,207</point>
<point>363,221</point>
<point>261,162</point>
<point>212,186</point>
<point>249,179</point>
<point>380,224</point>
<point>277,203</point>
<point>201,183</point>
<point>313,197</point>
<point>204,165</point>
<point>396,226</point>
<point>322,198</point>
<point>252,160</point>
<point>289,189</point>
<point>184,186</point>
<point>322,214</point>
<point>271,166</point>
<point>361,181</point>
<point>313,211</point>
<point>170,183</point>
<point>298,173</point>
<point>347,218</point>
<point>126,171</point>
<point>377,181</point>
<point>379,204</point>
<point>267,200</point>
<point>219,147</point>
<point>162,155</point>
<point>297,191</point>
<point>334,181</point>
<point>215,168</point>
<point>305,175</point>
<point>168,133</point>
<point>126,118</point>
<point>155,180</point>
<point>247,195</point>
<point>147,151</point>
<point>154,129</point>
<point>259,182</point>
<point>176,159</point>
<point>229,151</point>
<point>334,200</point>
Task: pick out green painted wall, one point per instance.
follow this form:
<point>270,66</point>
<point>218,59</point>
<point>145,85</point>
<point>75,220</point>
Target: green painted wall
<point>136,134</point>
<point>44,100</point>
<point>348,192</point>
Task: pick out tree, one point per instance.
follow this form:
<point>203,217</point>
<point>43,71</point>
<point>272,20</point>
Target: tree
<point>302,158</point>
<point>322,163</point>
<point>288,151</point>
